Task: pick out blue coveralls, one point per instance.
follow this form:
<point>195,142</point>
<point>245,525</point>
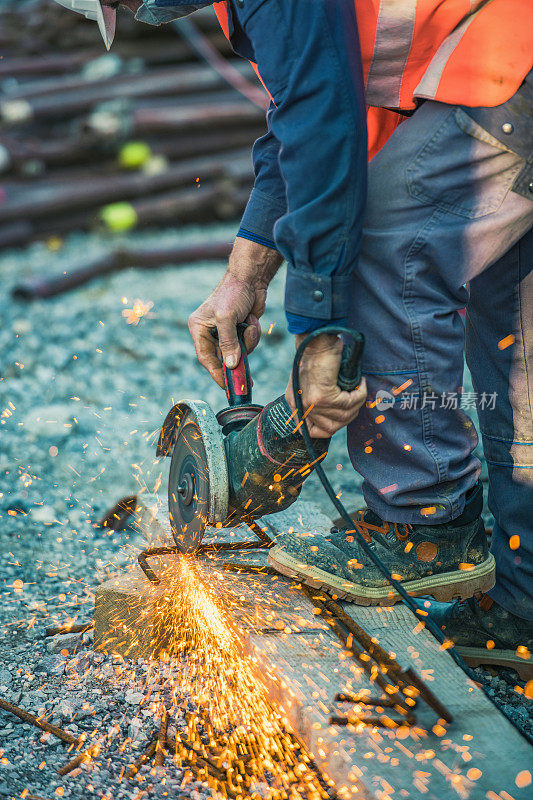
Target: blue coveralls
<point>448,225</point>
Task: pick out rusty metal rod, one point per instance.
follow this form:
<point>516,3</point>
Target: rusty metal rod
<point>61,629</point>
<point>221,547</point>
<point>427,695</point>
<point>71,765</point>
<point>263,540</point>
<point>45,64</point>
<point>386,702</point>
<point>183,119</point>
<point>213,547</point>
<point>357,653</point>
<point>62,66</point>
<point>380,722</point>
<point>253,569</point>
<point>25,716</point>
<point>384,659</point>
<point>117,260</point>
<point>260,532</point>
<point>143,758</point>
<point>204,760</point>
<point>92,146</point>
<point>406,676</point>
<point>51,199</point>
<point>372,647</point>
<point>174,80</point>
<point>143,557</point>
<point>161,744</point>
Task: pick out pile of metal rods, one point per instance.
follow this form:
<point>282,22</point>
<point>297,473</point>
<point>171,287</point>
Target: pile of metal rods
<point>231,763</point>
<point>401,688</point>
<point>234,763</point>
<point>149,134</point>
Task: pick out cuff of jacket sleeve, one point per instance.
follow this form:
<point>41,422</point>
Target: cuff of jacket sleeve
<point>253,237</point>
<point>319,297</point>
<point>298,324</point>
<point>261,214</point>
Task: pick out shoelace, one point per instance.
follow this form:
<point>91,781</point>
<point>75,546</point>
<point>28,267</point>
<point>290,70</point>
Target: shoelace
<point>365,528</point>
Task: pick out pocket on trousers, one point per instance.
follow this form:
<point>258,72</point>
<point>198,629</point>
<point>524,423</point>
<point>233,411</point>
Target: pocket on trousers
<point>463,169</point>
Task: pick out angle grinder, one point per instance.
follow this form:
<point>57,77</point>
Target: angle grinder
<point>244,462</point>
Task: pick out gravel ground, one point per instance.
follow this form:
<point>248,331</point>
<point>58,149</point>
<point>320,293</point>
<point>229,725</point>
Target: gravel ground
<point>82,397</point>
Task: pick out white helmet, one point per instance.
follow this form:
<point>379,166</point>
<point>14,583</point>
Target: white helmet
<point>105,16</point>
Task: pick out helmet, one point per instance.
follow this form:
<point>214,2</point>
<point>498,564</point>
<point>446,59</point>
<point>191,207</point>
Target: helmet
<point>105,16</point>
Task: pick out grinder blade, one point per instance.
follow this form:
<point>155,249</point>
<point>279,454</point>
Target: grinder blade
<point>198,478</point>
<point>188,488</point>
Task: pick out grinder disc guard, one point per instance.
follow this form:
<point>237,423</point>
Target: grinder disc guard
<point>198,478</point>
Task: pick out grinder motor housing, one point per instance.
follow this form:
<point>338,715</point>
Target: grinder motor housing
<point>247,461</point>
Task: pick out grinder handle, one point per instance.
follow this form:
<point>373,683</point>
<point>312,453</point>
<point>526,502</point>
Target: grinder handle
<point>238,382</point>
<point>350,369</point>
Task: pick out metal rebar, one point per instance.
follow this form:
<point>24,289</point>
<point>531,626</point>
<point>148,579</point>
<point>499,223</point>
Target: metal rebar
<point>381,722</point>
<point>71,765</point>
<point>382,657</point>
<point>161,744</point>
<point>62,629</point>
<point>254,569</point>
<point>25,716</point>
<point>143,557</point>
<point>143,758</point>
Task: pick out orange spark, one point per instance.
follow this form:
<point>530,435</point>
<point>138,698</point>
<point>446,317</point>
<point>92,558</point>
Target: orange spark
<point>523,779</point>
<point>398,389</point>
<point>428,511</point>
<point>387,489</point>
<point>140,309</point>
<point>507,341</point>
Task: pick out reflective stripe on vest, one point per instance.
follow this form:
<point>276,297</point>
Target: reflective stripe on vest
<point>392,45</point>
<point>488,58</point>
<point>429,84</point>
<point>469,52</point>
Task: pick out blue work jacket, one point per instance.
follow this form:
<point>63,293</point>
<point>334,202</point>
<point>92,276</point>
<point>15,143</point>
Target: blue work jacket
<point>309,193</point>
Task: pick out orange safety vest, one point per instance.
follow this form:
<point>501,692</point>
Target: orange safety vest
<point>462,52</point>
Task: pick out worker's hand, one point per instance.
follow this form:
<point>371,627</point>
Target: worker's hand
<point>328,408</point>
<point>239,297</point>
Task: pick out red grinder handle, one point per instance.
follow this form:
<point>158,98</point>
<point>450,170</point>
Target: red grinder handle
<point>238,382</point>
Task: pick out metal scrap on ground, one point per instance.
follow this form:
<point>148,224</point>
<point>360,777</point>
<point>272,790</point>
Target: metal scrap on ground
<point>118,141</point>
<point>388,714</point>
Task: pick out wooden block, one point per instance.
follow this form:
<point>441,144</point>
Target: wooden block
<point>132,617</point>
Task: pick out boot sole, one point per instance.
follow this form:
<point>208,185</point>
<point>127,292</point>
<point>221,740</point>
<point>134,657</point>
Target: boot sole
<point>480,656</point>
<point>455,585</point>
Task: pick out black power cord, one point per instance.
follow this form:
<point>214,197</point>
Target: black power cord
<point>431,626</point>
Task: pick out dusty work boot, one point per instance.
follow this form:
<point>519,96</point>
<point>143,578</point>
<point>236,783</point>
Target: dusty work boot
<point>485,633</point>
<point>446,561</point>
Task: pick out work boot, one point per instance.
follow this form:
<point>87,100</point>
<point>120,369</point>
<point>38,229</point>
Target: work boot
<point>446,561</point>
<point>485,633</point>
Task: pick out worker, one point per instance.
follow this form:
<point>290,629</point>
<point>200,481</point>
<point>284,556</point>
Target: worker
<point>446,224</point>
